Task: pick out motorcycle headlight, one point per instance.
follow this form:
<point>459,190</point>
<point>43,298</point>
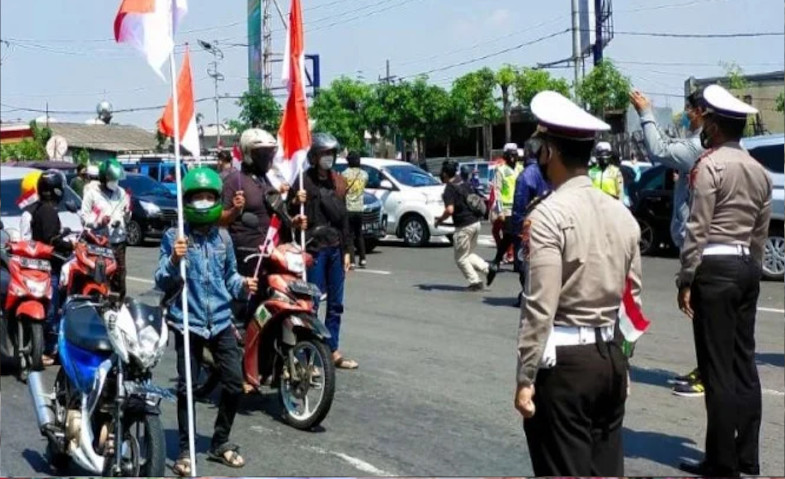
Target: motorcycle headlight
<point>36,288</point>
<point>147,350</point>
<point>150,208</point>
<point>295,263</point>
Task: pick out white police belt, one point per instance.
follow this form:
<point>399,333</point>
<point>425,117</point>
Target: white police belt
<point>571,336</point>
<point>714,249</point>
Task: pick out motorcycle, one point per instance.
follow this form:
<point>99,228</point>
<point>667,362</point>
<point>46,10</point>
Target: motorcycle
<point>27,301</point>
<point>94,263</point>
<point>104,410</point>
<point>284,344</point>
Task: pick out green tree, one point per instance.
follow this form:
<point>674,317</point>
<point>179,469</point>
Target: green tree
<point>531,81</point>
<point>476,91</point>
<point>258,109</point>
<point>81,157</point>
<point>340,110</point>
<point>506,77</point>
<point>27,149</point>
<point>604,89</point>
<point>780,102</point>
<point>735,75</point>
<point>160,138</point>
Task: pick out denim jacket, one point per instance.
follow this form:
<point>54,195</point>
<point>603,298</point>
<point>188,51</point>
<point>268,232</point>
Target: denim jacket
<point>213,280</point>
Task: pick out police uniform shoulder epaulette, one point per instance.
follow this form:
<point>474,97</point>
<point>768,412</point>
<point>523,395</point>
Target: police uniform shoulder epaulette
<point>536,201</point>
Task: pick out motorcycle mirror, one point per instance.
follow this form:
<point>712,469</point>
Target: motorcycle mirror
<point>70,205</point>
<point>250,220</point>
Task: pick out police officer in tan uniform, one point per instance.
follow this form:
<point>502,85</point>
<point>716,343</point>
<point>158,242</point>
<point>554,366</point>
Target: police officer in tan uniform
<point>719,283</point>
<point>582,248</point>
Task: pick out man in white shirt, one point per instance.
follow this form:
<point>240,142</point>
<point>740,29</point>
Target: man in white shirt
<point>106,205</point>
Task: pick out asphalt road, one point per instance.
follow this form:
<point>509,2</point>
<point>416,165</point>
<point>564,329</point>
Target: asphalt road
<point>433,395</point>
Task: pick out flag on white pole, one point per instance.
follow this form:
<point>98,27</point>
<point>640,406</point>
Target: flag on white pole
<point>294,135</point>
<point>148,26</point>
<point>189,133</point>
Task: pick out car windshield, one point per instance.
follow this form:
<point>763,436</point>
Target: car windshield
<point>11,189</point>
<point>144,185</point>
<point>411,175</point>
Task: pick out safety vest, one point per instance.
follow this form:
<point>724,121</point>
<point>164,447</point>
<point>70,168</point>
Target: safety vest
<point>507,187</point>
<point>606,180</point>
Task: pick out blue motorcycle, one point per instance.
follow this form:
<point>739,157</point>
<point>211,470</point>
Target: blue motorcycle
<point>104,413</point>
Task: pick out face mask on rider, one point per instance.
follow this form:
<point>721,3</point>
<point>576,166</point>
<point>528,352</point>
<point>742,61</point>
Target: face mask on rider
<point>203,204</point>
<point>261,157</point>
<point>685,121</point>
<point>326,162</point>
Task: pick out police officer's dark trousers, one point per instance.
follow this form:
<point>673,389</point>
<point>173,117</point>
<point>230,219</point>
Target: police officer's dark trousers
<point>724,297</point>
<point>579,408</point>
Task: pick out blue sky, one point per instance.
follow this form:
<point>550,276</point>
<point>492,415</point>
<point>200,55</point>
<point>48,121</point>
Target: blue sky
<point>61,50</point>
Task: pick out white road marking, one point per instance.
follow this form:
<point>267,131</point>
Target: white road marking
<point>358,464</point>
<point>771,310</point>
<point>371,271</point>
<point>140,280</point>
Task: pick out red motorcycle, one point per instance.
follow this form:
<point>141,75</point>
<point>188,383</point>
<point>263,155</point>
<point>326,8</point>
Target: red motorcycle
<point>27,301</point>
<point>93,264</point>
<point>285,342</point>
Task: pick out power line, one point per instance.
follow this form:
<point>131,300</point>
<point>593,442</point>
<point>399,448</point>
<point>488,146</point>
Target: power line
<point>698,35</point>
<point>490,55</point>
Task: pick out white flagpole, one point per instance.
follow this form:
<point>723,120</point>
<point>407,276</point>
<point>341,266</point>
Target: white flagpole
<point>181,234</point>
<point>302,232</point>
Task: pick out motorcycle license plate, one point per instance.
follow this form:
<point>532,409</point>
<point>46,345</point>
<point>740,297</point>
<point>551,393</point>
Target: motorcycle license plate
<point>302,287</point>
<point>100,251</point>
<point>148,390</point>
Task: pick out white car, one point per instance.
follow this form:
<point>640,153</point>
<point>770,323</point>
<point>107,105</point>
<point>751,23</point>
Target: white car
<point>10,189</point>
<point>411,198</point>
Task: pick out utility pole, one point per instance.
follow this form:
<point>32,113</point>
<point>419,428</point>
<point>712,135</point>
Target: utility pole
<point>576,44</point>
<point>217,76</point>
<point>388,79</point>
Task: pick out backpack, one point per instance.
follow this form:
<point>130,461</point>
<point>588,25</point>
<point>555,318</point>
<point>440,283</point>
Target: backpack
<point>475,202</point>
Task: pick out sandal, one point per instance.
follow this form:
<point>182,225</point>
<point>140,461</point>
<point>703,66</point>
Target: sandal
<point>182,466</point>
<point>47,360</point>
<point>228,455</point>
<point>343,363</point>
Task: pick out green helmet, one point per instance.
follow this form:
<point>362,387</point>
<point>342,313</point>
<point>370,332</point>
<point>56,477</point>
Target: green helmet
<point>110,170</point>
<point>198,180</point>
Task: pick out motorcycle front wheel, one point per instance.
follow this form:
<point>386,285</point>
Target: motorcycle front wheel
<point>143,448</point>
<point>307,390</point>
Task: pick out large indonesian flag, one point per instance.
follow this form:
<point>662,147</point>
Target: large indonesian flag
<point>294,136</point>
<point>189,133</point>
<point>147,26</point>
<point>632,322</point>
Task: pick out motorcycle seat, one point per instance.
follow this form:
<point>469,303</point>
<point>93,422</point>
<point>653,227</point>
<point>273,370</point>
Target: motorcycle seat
<point>85,329</point>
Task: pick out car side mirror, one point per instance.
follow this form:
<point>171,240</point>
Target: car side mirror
<point>70,205</point>
<point>386,185</point>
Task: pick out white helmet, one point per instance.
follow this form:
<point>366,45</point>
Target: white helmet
<point>254,138</point>
<point>92,172</point>
<point>603,148</point>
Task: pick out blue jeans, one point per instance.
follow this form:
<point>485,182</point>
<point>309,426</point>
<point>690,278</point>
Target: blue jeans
<point>327,273</point>
<point>53,318</point>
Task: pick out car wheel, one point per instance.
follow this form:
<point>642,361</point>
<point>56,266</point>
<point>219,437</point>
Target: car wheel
<point>415,231</point>
<point>649,241</point>
<point>774,254</point>
<point>134,234</point>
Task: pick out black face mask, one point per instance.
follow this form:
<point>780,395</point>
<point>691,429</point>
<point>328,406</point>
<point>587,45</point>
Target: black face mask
<point>543,166</point>
<point>262,159</point>
<point>603,162</point>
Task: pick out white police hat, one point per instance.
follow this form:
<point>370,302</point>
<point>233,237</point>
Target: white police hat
<point>603,147</point>
<point>720,101</point>
<point>558,116</point>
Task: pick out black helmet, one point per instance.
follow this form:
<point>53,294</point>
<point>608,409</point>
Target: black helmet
<point>323,142</point>
<point>50,186</point>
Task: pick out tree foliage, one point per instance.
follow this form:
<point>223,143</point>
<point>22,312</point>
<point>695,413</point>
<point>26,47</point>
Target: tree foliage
<point>30,148</point>
<point>604,89</point>
<point>530,81</point>
<point>780,102</point>
<point>475,90</point>
<point>258,109</point>
<point>735,74</point>
<point>340,110</point>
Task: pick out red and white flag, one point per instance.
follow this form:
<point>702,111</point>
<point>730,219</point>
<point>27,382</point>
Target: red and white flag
<point>294,136</point>
<point>27,199</point>
<point>147,26</point>
<point>186,109</point>
<point>273,236</point>
<point>237,156</point>
<point>632,322</point>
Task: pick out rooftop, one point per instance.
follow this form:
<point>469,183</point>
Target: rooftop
<point>114,138</point>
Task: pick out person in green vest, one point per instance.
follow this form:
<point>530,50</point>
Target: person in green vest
<point>605,175</point>
<point>77,184</point>
<point>504,190</point>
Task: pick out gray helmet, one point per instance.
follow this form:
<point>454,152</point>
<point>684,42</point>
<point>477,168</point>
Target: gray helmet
<point>322,142</point>
<point>254,138</point>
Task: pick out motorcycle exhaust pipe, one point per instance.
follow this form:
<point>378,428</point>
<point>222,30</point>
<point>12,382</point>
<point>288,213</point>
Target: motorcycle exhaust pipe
<point>43,412</point>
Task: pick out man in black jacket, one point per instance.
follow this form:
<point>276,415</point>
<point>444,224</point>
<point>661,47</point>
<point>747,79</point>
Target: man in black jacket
<point>45,227</point>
